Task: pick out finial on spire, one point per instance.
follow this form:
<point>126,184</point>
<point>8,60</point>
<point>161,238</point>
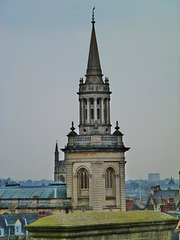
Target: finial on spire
<point>72,128</point>
<point>93,16</point>
<point>117,127</point>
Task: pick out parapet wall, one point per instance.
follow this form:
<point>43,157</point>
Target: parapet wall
<point>139,225</point>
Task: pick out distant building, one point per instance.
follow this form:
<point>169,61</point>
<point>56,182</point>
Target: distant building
<point>171,183</point>
<point>18,199</point>
<point>94,160</point>
<point>13,224</point>
<point>153,177</point>
<point>164,200</point>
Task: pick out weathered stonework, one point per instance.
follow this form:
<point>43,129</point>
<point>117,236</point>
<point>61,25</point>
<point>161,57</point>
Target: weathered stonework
<point>141,225</point>
<point>94,159</point>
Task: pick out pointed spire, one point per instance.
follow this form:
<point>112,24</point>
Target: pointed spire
<point>56,154</point>
<point>94,66</point>
<point>56,148</point>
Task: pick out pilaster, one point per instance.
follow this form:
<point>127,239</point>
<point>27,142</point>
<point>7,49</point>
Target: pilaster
<point>122,185</point>
<point>75,190</point>
<point>117,179</point>
<point>97,186</point>
<point>69,167</point>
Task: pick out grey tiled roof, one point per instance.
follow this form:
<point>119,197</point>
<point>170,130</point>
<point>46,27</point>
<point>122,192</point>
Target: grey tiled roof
<point>32,192</point>
<point>139,205</point>
<point>7,221</point>
<point>165,194</point>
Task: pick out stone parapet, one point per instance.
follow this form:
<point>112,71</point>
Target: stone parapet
<point>105,225</point>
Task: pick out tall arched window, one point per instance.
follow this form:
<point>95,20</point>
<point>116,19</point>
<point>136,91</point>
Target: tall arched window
<point>110,183</point>
<point>83,187</point>
<point>83,177</point>
<point>110,178</point>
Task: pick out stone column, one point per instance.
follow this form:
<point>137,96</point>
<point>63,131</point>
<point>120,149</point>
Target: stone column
<point>88,110</point>
<point>102,110</point>
<point>81,111</point>
<point>122,185</point>
<point>108,110</point>
<point>95,109</point>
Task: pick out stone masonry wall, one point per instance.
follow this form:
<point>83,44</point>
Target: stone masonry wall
<point>140,225</point>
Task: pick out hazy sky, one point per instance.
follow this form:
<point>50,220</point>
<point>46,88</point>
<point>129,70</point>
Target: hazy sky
<point>44,50</point>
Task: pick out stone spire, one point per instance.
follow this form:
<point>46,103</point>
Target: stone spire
<point>56,148</point>
<point>94,94</point>
<point>56,153</point>
<point>93,72</point>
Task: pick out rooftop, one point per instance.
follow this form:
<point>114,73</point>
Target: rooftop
<point>44,192</point>
<point>98,218</point>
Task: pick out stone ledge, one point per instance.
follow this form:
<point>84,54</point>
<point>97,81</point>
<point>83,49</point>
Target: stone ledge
<point>77,225</point>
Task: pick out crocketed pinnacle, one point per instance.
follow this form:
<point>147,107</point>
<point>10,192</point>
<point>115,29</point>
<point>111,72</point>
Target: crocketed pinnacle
<point>94,66</point>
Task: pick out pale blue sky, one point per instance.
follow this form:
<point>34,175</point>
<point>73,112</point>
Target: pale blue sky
<point>44,49</point>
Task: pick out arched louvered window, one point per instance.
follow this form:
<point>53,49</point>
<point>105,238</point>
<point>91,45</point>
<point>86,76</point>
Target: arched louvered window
<point>83,178</point>
<point>110,178</point>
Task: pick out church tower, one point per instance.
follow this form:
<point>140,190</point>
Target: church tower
<point>95,158</point>
<point>94,95</point>
<point>59,167</point>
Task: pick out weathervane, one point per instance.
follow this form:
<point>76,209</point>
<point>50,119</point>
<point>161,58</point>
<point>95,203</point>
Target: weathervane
<point>93,15</point>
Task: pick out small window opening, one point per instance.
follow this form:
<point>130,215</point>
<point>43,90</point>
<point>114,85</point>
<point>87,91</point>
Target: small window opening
<point>92,113</point>
<point>98,113</point>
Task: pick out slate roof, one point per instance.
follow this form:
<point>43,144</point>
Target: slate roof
<point>165,194</point>
<point>44,192</point>
<point>138,205</point>
<point>7,221</point>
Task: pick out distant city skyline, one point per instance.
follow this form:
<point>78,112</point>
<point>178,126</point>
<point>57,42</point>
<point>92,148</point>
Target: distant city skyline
<point>44,51</point>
